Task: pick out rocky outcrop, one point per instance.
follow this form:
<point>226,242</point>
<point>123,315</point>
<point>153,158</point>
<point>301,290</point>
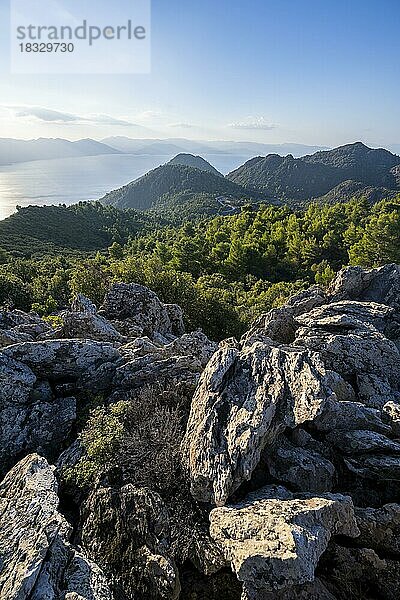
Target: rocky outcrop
<point>244,400</point>
<point>309,398</point>
<point>177,364</point>
<point>17,326</point>
<point>291,450</point>
<point>137,311</point>
<point>36,558</point>
<point>274,543</point>
<point>86,363</point>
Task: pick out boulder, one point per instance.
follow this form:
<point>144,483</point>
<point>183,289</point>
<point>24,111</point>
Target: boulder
<point>31,417</point>
<point>126,531</point>
<point>274,544</point>
<point>361,442</point>
<point>177,364</point>
<point>141,309</point>
<point>243,401</point>
<point>368,285</point>
<point>36,558</point>
<point>88,364</point>
<point>17,326</point>
<point>304,470</point>
<point>279,323</point>
<point>86,325</point>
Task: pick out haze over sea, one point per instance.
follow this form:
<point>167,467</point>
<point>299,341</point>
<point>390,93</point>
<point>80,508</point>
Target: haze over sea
<point>69,180</point>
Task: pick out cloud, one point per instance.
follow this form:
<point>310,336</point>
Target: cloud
<point>54,116</point>
<point>181,125</point>
<point>259,123</point>
<point>45,114</point>
<point>107,120</point>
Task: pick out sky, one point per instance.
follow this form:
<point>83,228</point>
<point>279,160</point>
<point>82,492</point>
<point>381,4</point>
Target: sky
<point>320,72</point>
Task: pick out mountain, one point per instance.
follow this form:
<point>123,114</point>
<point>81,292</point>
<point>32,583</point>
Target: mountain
<point>16,151</point>
<point>189,160</point>
<point>165,147</point>
<point>315,175</point>
<point>168,180</point>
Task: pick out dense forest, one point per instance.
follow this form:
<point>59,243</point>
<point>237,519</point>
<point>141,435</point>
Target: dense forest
<point>223,271</point>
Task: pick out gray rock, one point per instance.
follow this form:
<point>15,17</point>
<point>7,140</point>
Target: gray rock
<point>366,356</point>
<point>175,314</point>
<point>31,419</point>
<point>177,364</point>
<point>275,544</point>
<point>140,307</point>
<point>279,324</point>
<point>361,442</point>
<point>380,467</point>
<point>375,285</point>
<point>304,470</point>
<point>36,557</point>
<point>17,326</point>
<point>90,364</point>
<point>244,399</point>
<point>348,315</point>
<point>86,325</point>
<point>391,415</point>
<point>348,416</point>
<point>83,304</point>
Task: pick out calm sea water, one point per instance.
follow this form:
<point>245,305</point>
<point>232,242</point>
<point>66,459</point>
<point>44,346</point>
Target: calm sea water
<point>70,180</point>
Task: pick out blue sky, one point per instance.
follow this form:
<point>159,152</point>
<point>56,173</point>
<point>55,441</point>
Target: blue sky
<point>315,72</point>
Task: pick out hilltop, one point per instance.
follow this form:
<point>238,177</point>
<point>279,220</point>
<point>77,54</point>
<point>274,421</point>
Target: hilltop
<point>165,182</point>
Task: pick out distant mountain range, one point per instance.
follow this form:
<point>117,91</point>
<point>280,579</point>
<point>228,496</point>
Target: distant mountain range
<point>16,151</point>
<point>330,176</point>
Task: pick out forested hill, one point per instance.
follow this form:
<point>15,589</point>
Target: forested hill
<point>223,271</point>
<point>310,177</point>
<point>86,226</point>
<point>168,180</point>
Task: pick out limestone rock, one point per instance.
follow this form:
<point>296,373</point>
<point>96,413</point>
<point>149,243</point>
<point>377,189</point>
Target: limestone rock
<point>304,470</point>
<point>178,363</point>
<point>275,544</point>
<point>141,307</point>
<point>391,415</point>
<point>362,441</point>
<point>86,325</point>
<point>383,467</point>
<point>279,324</point>
<point>89,364</point>
<point>348,416</point>
<point>244,399</point>
<point>37,561</point>
<point>17,326</point>
<point>375,285</point>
